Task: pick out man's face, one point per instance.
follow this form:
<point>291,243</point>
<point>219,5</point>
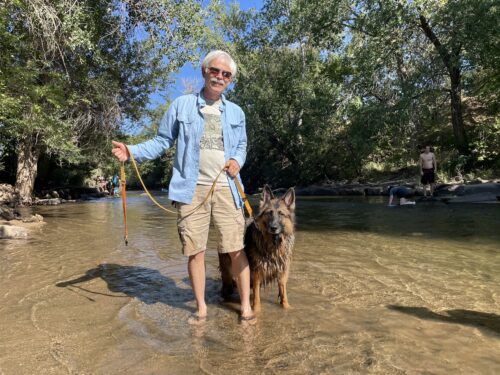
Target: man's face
<point>217,77</point>
<point>427,149</point>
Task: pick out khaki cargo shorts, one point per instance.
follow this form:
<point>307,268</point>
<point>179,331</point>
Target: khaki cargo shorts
<point>220,210</point>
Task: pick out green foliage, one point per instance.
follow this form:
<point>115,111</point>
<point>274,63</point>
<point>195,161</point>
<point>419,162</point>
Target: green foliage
<point>360,83</point>
<point>328,88</point>
<point>71,72</point>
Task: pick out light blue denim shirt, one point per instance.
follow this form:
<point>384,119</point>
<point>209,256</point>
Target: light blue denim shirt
<point>184,123</point>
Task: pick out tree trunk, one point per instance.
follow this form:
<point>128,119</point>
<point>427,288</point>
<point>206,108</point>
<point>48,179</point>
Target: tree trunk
<point>27,160</point>
<point>457,119</point>
<point>451,59</point>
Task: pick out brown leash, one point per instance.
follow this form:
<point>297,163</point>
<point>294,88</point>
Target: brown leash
<point>124,201</point>
<point>124,194</point>
<point>244,197</point>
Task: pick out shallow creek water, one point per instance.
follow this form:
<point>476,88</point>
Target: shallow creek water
<point>374,290</point>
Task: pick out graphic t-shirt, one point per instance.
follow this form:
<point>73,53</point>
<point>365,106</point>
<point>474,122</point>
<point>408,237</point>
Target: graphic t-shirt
<point>212,146</point>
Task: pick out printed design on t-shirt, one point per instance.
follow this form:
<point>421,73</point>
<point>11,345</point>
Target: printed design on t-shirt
<point>212,136</point>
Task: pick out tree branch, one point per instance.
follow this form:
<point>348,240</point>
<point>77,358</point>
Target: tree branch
<point>445,56</point>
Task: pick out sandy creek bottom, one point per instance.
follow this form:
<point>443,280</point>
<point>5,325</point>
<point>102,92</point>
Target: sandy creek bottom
<point>374,290</point>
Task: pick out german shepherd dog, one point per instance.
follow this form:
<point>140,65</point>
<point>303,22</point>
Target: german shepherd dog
<point>269,240</point>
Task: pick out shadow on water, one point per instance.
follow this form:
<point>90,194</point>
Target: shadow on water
<point>487,322</point>
<point>146,284</point>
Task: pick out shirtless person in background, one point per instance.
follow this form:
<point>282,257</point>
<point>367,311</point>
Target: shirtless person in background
<point>428,167</point>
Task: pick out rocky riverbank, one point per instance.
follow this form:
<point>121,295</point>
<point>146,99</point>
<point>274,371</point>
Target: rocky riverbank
<point>68,194</point>
<point>15,221</point>
<point>474,192</point>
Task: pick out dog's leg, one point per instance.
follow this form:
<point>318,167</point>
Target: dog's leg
<point>226,275</point>
<point>256,291</point>
<point>282,280</point>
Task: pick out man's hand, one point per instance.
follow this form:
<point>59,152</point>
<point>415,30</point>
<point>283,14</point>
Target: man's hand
<point>120,151</point>
<point>232,168</point>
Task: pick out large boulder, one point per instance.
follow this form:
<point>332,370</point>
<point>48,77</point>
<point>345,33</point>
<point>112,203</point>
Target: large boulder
<point>371,191</point>
<point>446,189</point>
<point>485,188</point>
<point>22,214</point>
<point>316,190</point>
<point>8,194</point>
<point>472,189</point>
<point>492,189</point>
<point>471,198</point>
<point>48,202</point>
<point>7,213</point>
<point>32,218</point>
<point>351,191</point>
<point>13,232</point>
<point>473,193</point>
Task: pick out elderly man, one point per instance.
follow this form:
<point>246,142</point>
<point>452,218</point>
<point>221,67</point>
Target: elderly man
<point>210,134</point>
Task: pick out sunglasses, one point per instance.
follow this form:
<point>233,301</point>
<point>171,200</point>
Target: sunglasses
<point>215,72</point>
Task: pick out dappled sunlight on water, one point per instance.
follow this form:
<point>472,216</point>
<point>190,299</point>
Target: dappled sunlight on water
<point>373,290</point>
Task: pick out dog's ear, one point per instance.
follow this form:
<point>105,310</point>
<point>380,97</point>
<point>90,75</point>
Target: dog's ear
<point>267,195</point>
<point>289,198</point>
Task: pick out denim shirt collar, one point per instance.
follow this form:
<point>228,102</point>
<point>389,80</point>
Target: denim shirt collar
<point>202,103</point>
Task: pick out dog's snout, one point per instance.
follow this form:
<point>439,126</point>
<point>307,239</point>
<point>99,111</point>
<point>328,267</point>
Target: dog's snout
<point>274,228</point>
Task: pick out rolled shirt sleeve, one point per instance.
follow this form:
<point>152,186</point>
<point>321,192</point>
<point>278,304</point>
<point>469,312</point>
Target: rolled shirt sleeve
<point>164,139</point>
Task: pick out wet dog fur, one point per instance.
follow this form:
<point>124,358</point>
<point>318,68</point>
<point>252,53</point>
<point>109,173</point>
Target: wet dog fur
<point>269,240</point>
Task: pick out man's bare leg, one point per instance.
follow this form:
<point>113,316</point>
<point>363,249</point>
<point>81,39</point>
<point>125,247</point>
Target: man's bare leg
<point>241,271</point>
<point>196,269</point>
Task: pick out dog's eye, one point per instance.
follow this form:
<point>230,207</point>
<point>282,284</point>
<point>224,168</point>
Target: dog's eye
<point>281,213</point>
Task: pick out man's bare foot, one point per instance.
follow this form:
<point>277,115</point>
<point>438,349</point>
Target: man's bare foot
<point>196,319</point>
<point>248,317</point>
<point>200,316</point>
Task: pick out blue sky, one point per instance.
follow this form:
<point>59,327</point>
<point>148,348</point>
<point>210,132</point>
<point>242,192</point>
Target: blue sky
<point>190,72</point>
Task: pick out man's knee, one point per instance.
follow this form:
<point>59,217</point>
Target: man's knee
<point>197,257</point>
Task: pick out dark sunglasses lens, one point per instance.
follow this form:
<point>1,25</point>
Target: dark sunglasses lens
<point>216,71</point>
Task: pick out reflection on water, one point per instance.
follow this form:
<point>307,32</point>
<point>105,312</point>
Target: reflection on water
<point>405,290</point>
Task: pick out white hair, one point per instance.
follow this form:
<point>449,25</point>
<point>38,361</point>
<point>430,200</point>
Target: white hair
<point>218,54</point>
